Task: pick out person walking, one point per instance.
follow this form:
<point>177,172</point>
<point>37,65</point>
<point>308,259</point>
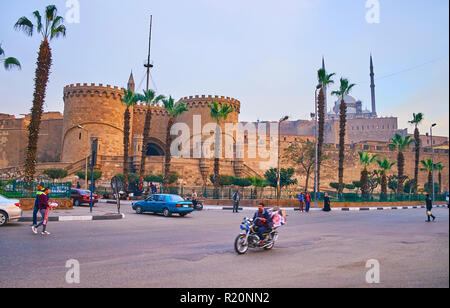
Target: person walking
<point>307,201</point>
<point>429,209</point>
<point>194,197</point>
<point>326,203</point>
<point>301,199</point>
<point>43,208</point>
<point>236,200</point>
<point>40,191</point>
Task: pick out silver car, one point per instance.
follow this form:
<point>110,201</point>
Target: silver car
<point>9,210</point>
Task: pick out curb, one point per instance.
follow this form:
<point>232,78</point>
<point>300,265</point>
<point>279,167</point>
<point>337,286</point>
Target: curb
<point>77,218</point>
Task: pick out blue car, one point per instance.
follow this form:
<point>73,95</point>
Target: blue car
<point>165,204</point>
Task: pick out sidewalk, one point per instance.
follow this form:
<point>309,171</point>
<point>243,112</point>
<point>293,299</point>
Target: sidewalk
<point>101,211</point>
<point>226,208</point>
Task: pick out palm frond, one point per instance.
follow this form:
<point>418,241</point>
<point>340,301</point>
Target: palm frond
<point>38,17</point>
<point>25,25</point>
<point>11,62</point>
<point>50,12</point>
<point>57,32</point>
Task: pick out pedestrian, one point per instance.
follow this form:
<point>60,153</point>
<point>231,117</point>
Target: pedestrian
<point>236,200</point>
<point>40,191</point>
<point>326,203</point>
<point>43,209</point>
<point>307,201</point>
<point>301,199</point>
<point>430,208</point>
<point>78,185</point>
<point>194,198</point>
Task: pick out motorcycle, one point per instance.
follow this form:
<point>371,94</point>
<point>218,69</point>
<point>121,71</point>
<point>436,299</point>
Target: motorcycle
<point>197,206</point>
<point>249,237</point>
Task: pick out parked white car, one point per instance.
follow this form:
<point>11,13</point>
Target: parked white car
<point>9,210</point>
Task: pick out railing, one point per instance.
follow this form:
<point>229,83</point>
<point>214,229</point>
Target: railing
<point>25,190</point>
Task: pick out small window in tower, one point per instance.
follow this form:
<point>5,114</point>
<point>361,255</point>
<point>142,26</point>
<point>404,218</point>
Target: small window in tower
<point>79,136</point>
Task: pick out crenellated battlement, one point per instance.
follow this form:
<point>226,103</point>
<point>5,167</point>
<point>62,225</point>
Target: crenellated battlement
<point>202,101</point>
<point>93,90</point>
<point>156,110</point>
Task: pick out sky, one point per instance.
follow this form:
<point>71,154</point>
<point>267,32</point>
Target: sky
<point>264,53</point>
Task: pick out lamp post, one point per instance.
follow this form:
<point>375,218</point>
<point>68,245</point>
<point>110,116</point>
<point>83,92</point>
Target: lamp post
<point>319,86</point>
<point>279,157</point>
<point>87,157</point>
<point>432,161</point>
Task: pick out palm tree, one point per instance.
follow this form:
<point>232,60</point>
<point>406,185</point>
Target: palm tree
<point>130,99</point>
<point>9,62</point>
<point>50,28</point>
<point>218,113</point>
<point>400,144</point>
<point>344,90</point>
<point>150,99</point>
<point>365,160</point>
<point>427,166</point>
<point>417,119</point>
<point>439,167</point>
<point>174,110</point>
<point>324,80</point>
<point>385,165</point>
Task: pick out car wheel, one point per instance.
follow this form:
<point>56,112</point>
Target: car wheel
<point>167,213</point>
<point>3,218</point>
<point>139,210</point>
<point>183,214</point>
<point>76,203</point>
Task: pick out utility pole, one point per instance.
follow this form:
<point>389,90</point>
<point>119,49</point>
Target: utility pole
<point>148,65</point>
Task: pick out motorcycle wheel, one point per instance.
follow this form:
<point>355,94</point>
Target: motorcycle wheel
<point>239,245</point>
<point>199,207</point>
<point>270,246</point>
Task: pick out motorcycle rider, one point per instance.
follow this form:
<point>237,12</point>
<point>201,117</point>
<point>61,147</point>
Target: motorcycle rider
<point>262,219</point>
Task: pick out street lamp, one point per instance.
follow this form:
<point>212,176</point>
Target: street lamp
<point>432,160</point>
<point>318,87</point>
<point>87,157</point>
<point>279,157</point>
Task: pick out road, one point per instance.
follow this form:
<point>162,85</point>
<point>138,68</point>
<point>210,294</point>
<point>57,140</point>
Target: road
<point>314,250</point>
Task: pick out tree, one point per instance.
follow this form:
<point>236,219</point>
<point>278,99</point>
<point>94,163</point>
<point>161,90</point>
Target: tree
<point>344,90</point>
<point>55,173</point>
<point>302,154</point>
<point>324,80</point>
<point>218,113</point>
<point>385,165</point>
<point>365,159</point>
<point>400,144</point>
<point>150,99</point>
<point>439,167</point>
<point>242,182</point>
<point>174,110</point>
<point>50,28</point>
<point>334,185</point>
<point>427,166</point>
<point>257,183</point>
<point>286,175</point>
<point>130,99</point>
<point>224,180</point>
<point>10,62</point>
<point>416,121</point>
<point>97,175</point>
<point>154,178</point>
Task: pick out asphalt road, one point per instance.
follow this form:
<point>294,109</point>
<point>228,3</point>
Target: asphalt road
<point>314,250</point>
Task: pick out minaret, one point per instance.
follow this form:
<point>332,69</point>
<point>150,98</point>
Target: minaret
<point>131,85</point>
<point>372,88</point>
<point>325,91</point>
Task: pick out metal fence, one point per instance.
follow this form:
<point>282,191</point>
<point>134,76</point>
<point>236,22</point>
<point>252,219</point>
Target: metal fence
<point>25,190</point>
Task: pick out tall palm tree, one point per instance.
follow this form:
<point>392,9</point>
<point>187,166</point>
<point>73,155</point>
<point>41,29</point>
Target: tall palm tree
<point>427,166</point>
<point>324,80</point>
<point>417,119</point>
<point>400,144</point>
<point>10,62</point>
<point>365,159</point>
<point>150,99</point>
<point>385,165</point>
<point>344,90</point>
<point>439,167</point>
<point>50,27</point>
<point>130,99</point>
<point>218,113</point>
<point>174,110</point>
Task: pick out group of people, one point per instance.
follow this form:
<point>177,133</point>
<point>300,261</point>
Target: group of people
<point>305,202</point>
<point>41,205</point>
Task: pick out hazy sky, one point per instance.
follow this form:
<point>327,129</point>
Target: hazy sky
<point>264,53</point>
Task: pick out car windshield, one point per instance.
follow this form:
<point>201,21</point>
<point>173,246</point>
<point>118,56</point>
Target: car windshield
<point>176,199</point>
<point>85,192</point>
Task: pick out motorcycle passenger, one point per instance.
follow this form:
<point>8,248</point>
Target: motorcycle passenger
<point>262,219</point>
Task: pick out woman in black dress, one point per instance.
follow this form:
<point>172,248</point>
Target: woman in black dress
<point>326,202</point>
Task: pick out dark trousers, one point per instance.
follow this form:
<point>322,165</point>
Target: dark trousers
<point>236,207</point>
<point>301,206</point>
<point>43,212</point>
<point>308,204</point>
<point>431,216</point>
<point>35,211</point>
<point>261,230</point>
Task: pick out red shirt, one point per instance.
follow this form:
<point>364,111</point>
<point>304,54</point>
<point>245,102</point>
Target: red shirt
<point>43,202</point>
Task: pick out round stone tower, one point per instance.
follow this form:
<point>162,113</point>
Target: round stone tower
<point>99,111</point>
